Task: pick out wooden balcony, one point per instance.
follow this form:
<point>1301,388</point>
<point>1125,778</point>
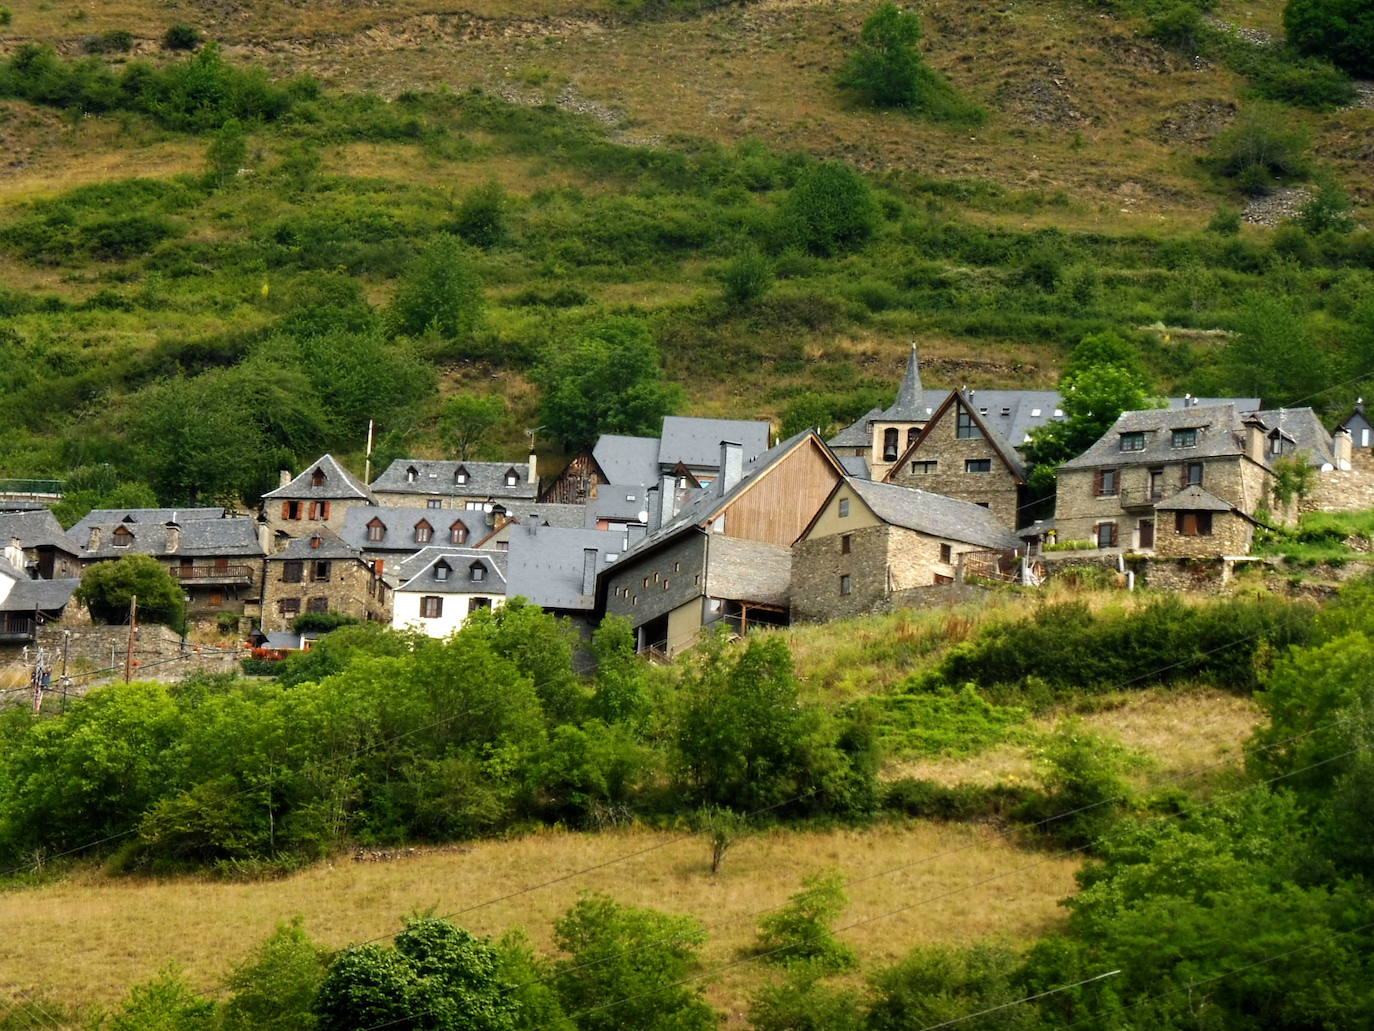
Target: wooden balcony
<point>215,576</point>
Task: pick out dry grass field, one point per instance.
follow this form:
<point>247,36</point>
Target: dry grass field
<point>82,940</point>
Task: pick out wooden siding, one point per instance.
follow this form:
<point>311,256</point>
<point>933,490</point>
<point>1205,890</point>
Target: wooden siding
<point>780,504</point>
<point>576,483</point>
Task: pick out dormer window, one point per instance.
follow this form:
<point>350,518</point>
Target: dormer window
<point>122,537</point>
<point>1276,444</point>
<point>317,478</point>
<point>1133,441</point>
<point>376,530</point>
<point>460,476</point>
<point>512,477</point>
<point>412,474</point>
<point>458,533</point>
<point>498,512</point>
<point>441,570</point>
<point>477,572</point>
<point>1184,438</point>
<point>966,428</point>
<point>423,532</point>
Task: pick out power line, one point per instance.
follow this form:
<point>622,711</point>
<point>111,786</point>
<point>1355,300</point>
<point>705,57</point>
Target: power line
<point>1018,1002</point>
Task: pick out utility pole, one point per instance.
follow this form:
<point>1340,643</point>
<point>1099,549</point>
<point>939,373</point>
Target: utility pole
<point>133,629</point>
<point>66,646</point>
<point>367,461</point>
<point>40,678</point>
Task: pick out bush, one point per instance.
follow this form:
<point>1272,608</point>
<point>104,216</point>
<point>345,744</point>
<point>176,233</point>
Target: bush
<point>1340,30</point>
<point>1261,148</point>
<point>440,293</point>
<point>830,210</point>
<point>321,622</point>
<point>802,932</point>
<point>481,218</point>
<point>1179,27</point>
<point>928,800</point>
<point>107,589</point>
<point>116,41</point>
<point>746,277</point>
<point>181,37</point>
<point>1084,790</point>
<point>1327,210</point>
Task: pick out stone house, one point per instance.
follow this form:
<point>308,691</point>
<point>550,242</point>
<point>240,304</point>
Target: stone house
<point>1193,523</point>
<point>489,488</point>
<point>871,541</point>
<point>318,499</point>
<point>443,586</point>
<point>386,534</point>
<point>27,603</point>
<point>216,560</point>
<point>1360,427</point>
<point>1112,494</point>
<point>722,552</point>
<point>49,552</point>
<point>320,573</point>
<point>958,455</point>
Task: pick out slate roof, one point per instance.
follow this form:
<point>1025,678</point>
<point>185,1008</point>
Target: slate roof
<point>331,546</point>
<point>436,477</point>
<point>547,566</point>
<point>1008,454</point>
<point>855,465</point>
<point>43,595</point>
<point>1220,434</point>
<point>400,526</point>
<point>696,442</point>
<point>421,579</point>
<point>35,529</point>
<point>934,514</point>
<point>1192,499</point>
<point>620,502</point>
<point>910,405</point>
<point>338,484</point>
<point>628,459</point>
<point>857,434</point>
<point>233,537</point>
<point>1304,429</point>
<point>568,517</point>
<point>288,640</point>
<point>101,516</point>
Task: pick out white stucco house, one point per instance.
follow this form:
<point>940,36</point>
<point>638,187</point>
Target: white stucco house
<point>441,587</point>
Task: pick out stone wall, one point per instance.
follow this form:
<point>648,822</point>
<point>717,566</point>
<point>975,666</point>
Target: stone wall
<point>274,509</point>
<point>646,588</point>
<point>1231,535</point>
<point>1342,490</point>
<point>996,490</point>
<point>352,588</point>
<point>819,563</point>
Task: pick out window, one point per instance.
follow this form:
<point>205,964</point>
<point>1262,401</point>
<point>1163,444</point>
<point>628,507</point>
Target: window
<point>1193,524</point>
<point>473,506</point>
<point>1192,474</point>
<point>978,465</point>
<point>911,435</point>
<point>319,571</point>
<point>1184,438</point>
<point>924,468</point>
<point>1106,535</point>
<point>431,606</point>
<point>512,478</point>
<point>433,503</point>
<point>317,478</point>
<point>458,534</point>
<point>1275,444</point>
<point>319,510</point>
<point>677,567</point>
<point>946,553</point>
<point>319,603</point>
<point>940,578</point>
<point>890,436</point>
<point>846,540</point>
<point>967,429</point>
<point>441,570</point>
<point>1156,484</point>
<point>844,508</point>
<point>293,572</point>
<point>666,583</point>
<point>1133,441</point>
<point>485,603</point>
<point>289,606</point>
<point>376,530</point>
<point>290,509</point>
<point>983,504</point>
<point>423,532</point>
<point>1108,481</point>
<point>460,476</point>
<point>477,572</point>
<point>412,474</point>
<point>122,537</point>
<point>845,584</point>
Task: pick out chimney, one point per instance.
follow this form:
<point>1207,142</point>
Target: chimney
<point>731,465</point>
<point>14,554</point>
<point>534,470</point>
<point>667,500</point>
<point>173,537</point>
<point>283,477</point>
<point>634,534</point>
<point>1254,439</point>
<point>589,571</point>
<point>93,543</point>
<point>1342,445</point>
<point>316,541</point>
<point>533,526</point>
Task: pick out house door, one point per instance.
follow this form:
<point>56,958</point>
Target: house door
<point>1147,533</point>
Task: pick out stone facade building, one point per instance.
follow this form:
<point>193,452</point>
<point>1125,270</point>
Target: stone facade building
<point>318,499</point>
<point>871,541</point>
<point>956,454</point>
<point>1194,523</point>
<point>489,488</point>
<point>321,574</point>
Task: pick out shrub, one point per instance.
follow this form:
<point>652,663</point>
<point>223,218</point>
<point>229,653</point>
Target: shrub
<point>440,293</point>
<point>107,589</point>
<point>830,210</point>
<point>116,41</point>
<point>1179,27</point>
<point>1341,30</point>
<point>1084,790</point>
<point>802,932</point>
<point>746,277</point>
<point>1261,147</point>
<point>1327,210</point>
<point>181,37</point>
<point>6,16</point>
<point>1225,221</point>
<point>321,622</point>
<point>481,218</point>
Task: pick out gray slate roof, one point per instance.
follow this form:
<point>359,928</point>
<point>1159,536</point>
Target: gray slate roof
<point>1192,499</point>
<point>421,579</point>
<point>627,459</point>
<point>696,442</point>
<point>400,526</point>
<point>338,484</point>
<point>435,477</point>
<point>855,465</point>
<point>35,529</point>
<point>43,595</point>
<point>101,516</point>
<point>208,538</point>
<point>1304,430</point>
<point>547,566</point>
<point>857,434</point>
<point>911,400</point>
<point>331,546</point>
<point>934,514</point>
<point>1220,434</point>
<point>568,517</point>
<point>619,502</point>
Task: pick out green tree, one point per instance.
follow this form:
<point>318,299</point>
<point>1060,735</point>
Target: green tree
<point>107,589</point>
<point>440,292</point>
<point>829,210</point>
<point>935,984</point>
<point>1339,30</point>
<point>1274,356</point>
<point>227,153</point>
<point>802,931</point>
<point>481,218</point>
<point>437,978</point>
<point>275,989</point>
<point>623,968</point>
<point>165,1003</point>
<point>746,277</point>
<point>466,419</point>
<point>608,380</point>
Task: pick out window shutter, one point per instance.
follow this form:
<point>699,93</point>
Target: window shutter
<point>1113,532</point>
<point>1097,482</point>
<point>1183,475</point>
<point>286,510</point>
<point>324,509</point>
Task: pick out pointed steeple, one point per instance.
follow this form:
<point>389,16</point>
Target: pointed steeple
<point>910,403</point>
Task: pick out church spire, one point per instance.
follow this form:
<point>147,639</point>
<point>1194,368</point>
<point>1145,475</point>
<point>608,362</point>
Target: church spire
<point>910,403</point>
